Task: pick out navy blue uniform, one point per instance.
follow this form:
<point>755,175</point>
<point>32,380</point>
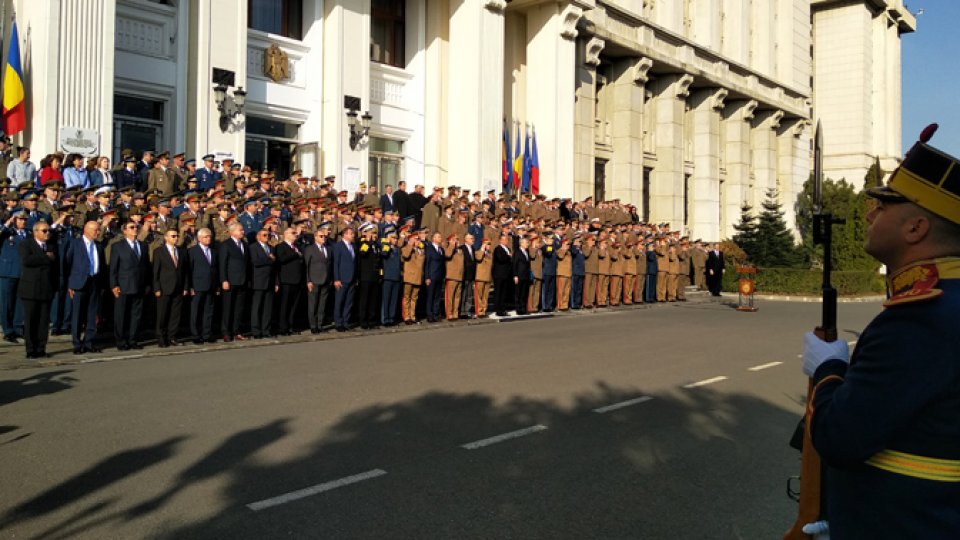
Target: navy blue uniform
<point>206,178</point>
<point>392,283</point>
<point>548,294</point>
<point>579,271</point>
<point>887,425</point>
<point>11,310</point>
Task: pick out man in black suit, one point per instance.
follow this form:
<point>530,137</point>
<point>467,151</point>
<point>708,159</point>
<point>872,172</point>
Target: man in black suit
<point>36,288</point>
<point>521,274</point>
<point>169,286</point>
<point>401,201</point>
<point>714,270</point>
<point>234,260</point>
<point>417,201</point>
<point>434,270</point>
<point>290,277</point>
<point>317,259</point>
<point>263,283</point>
<point>503,274</point>
<point>129,277</point>
<point>203,285</point>
<point>86,268</point>
<point>469,277</point>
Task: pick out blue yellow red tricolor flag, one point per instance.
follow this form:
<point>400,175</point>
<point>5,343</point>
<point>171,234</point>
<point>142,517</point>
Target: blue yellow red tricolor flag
<point>534,167</point>
<point>517,163</point>
<point>526,163</point>
<point>507,166</point>
<point>14,113</point>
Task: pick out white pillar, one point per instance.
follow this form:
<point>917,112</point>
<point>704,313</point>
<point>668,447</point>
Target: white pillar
<point>626,168</point>
<point>212,48</point>
<point>764,155</point>
<point>584,118</point>
<point>551,64</point>
<point>476,93</point>
<point>793,157</point>
<point>436,90</point>
<point>346,72</point>
<point>666,182</point>
<point>737,116</point>
<point>705,182</point>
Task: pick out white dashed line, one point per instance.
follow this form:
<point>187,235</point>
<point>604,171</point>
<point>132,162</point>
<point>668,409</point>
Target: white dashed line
<point>705,382</point>
<point>314,490</point>
<point>503,437</point>
<point>622,404</point>
<point>761,367</point>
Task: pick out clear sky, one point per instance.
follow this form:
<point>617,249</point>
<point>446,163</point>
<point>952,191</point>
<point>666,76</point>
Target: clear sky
<point>931,74</point>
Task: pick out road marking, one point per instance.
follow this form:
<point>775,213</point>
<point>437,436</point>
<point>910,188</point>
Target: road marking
<point>705,382</point>
<point>503,437</point>
<point>764,366</point>
<point>622,404</point>
<point>314,490</point>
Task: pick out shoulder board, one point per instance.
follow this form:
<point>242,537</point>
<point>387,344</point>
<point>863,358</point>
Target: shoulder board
<point>913,296</point>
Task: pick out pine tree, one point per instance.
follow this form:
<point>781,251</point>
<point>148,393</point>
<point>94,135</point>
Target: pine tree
<point>746,237</point>
<point>774,242</point>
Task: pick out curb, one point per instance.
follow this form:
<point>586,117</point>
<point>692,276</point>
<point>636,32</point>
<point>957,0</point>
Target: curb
<point>811,299</point>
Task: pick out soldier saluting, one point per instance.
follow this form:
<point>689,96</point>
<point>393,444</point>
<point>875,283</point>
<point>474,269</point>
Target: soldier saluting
<point>885,421</point>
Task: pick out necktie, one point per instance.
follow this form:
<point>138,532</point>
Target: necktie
<point>266,248</point>
<point>173,255</point>
<point>43,246</point>
<point>240,245</point>
<point>350,249</point>
<point>136,248</point>
<point>92,254</point>
<point>206,253</point>
<point>297,251</point>
<point>323,250</point>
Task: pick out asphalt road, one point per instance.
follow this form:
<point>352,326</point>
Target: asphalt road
<point>395,436</point>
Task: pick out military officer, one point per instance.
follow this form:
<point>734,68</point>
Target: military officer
<point>207,176</point>
<point>412,255</point>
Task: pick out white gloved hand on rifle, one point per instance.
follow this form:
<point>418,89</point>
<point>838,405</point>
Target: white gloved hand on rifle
<point>817,351</point>
<point>819,530</point>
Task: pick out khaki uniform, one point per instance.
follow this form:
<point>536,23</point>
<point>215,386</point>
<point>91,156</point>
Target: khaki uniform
<point>629,274</point>
<point>412,256</point>
<point>536,268</point>
<point>445,227</point>
<point>453,287</point>
<point>662,271</point>
<point>481,287</point>
<point>603,278</point>
<point>617,269</point>
<point>431,217</point>
<point>683,280</point>
<point>673,275</point>
<point>698,258</point>
<point>591,259</point>
<point>164,181</point>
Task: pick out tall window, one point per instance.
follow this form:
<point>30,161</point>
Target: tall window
<point>281,17</point>
<point>387,27</point>
<point>137,124</point>
<point>386,162</point>
<point>271,145</point>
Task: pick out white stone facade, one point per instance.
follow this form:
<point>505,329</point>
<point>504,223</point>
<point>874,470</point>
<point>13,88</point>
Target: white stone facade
<point>685,108</point>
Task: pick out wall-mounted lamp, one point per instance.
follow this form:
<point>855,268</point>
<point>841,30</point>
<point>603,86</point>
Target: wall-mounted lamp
<point>230,106</point>
<point>359,127</point>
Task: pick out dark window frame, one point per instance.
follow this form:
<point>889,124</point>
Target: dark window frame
<point>288,7</point>
<point>395,20</point>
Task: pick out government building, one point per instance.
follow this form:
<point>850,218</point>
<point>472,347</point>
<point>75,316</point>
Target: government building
<point>685,108</point>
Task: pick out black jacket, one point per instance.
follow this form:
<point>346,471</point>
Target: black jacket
<point>37,276</point>
<point>264,268</point>
<point>469,264</point>
<point>127,271</point>
<point>502,263</point>
<point>234,262</point>
<point>203,276</point>
<point>521,265</point>
<point>401,203</point>
<point>368,261</point>
<point>291,265</point>
<point>170,280</point>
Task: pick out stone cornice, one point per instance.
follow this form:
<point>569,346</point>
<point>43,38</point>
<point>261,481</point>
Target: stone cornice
<point>592,51</point>
<point>568,21</point>
<point>641,70</point>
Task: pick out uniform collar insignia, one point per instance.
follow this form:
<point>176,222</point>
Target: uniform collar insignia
<point>917,281</point>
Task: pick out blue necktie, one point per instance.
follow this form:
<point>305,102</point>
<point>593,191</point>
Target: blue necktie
<point>91,253</point>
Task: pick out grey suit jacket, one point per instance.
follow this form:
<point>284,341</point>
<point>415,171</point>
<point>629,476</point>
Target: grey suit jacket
<point>319,268</point>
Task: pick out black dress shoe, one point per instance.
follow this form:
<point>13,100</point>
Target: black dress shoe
<point>314,331</point>
<point>93,349</point>
<point>123,348</point>
<point>10,338</point>
<point>198,342</point>
<point>136,346</point>
<point>78,350</point>
<point>163,344</point>
<point>173,343</point>
<point>341,329</point>
<point>227,339</point>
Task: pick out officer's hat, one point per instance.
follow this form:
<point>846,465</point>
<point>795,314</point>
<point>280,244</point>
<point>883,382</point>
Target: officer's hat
<point>32,196</point>
<point>190,162</point>
<point>927,177</point>
<point>130,159</point>
<point>324,225</point>
<point>208,157</point>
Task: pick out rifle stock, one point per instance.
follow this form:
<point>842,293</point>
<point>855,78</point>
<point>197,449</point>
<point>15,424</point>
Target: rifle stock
<point>809,508</point>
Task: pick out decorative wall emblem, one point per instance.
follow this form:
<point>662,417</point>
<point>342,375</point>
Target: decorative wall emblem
<point>276,63</point>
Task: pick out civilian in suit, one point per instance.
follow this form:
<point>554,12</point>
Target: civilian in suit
<point>344,279</point>
<point>290,277</point>
<point>234,260</point>
<point>204,283</point>
<point>503,274</point>
<point>386,200</point>
<point>12,234</point>
<point>401,201</point>
<point>263,285</point>
<point>522,275</point>
<point>169,286</point>
<point>469,277</point>
<point>36,288</point>
<point>129,279</point>
<point>715,270</point>
<point>434,265</point>
<point>318,262</point>
<point>392,277</point>
<point>86,267</point>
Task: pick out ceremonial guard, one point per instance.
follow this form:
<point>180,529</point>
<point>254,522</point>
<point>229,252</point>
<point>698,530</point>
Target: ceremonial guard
<point>368,273</point>
<point>392,276</point>
<point>11,310</point>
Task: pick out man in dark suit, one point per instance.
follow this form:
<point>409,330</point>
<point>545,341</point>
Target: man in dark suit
<point>129,278</point>
<point>434,266</point>
<point>36,288</point>
<point>401,201</point>
<point>169,286</point>
<point>290,278</point>
<point>521,275</point>
<point>344,279</point>
<point>204,283</point>
<point>469,277</point>
<point>86,267</point>
<point>386,200</point>
<point>263,284</point>
<point>715,270</point>
<point>503,274</point>
<point>317,258</point>
<point>234,260</point>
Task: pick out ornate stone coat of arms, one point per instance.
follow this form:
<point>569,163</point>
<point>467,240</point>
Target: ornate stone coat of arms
<point>276,64</point>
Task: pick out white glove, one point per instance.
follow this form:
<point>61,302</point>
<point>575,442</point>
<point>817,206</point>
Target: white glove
<point>820,530</point>
<point>817,351</point>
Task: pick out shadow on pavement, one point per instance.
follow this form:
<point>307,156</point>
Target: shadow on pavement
<point>692,464</point>
<point>40,384</point>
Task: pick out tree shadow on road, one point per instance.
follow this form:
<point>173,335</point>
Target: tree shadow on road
<point>687,464</point>
<point>41,384</point>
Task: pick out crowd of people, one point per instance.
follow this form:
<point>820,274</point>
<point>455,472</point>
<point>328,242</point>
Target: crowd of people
<point>241,254</point>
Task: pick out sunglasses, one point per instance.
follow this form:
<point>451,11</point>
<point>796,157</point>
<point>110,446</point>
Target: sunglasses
<point>43,230</point>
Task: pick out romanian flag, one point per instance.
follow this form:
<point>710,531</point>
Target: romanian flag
<point>507,168</point>
<point>526,162</point>
<point>534,167</point>
<point>14,114</point>
<point>517,163</point>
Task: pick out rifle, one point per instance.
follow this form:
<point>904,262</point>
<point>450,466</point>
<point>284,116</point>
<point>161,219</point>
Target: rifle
<point>812,505</point>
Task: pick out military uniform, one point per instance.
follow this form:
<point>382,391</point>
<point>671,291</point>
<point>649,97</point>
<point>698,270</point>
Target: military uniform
<point>454,280</point>
<point>412,255</point>
<point>481,293</point>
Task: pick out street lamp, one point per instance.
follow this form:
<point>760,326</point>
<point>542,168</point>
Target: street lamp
<point>359,126</point>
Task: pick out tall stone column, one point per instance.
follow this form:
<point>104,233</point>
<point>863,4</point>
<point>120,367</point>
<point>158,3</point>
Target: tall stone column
<point>705,182</point>
<point>476,92</point>
<point>626,169</point>
<point>551,76</point>
<point>666,182</point>
<point>346,72</point>
<point>436,90</point>
<point>736,124</point>
<point>764,140</point>
<point>588,58</point>
<point>210,48</point>
<point>793,169</point>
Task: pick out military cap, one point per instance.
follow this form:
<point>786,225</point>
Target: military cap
<point>22,214</point>
<point>32,196</point>
<point>228,158</point>
<point>66,203</point>
<point>163,154</point>
<point>26,184</point>
<point>105,190</point>
<point>109,213</point>
<point>231,218</point>
<point>324,225</point>
<point>330,178</point>
<point>187,218</point>
<point>236,166</point>
<point>208,157</point>
<point>11,196</point>
<point>149,216</point>
<point>138,195</point>
<point>163,202</point>
<point>190,161</point>
<point>55,184</point>
<point>191,196</point>
<point>130,159</point>
<point>248,202</point>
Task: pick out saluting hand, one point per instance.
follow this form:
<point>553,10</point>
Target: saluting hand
<point>116,292</point>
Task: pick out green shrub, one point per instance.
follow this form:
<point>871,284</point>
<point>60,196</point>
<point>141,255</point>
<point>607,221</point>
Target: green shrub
<point>808,282</point>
